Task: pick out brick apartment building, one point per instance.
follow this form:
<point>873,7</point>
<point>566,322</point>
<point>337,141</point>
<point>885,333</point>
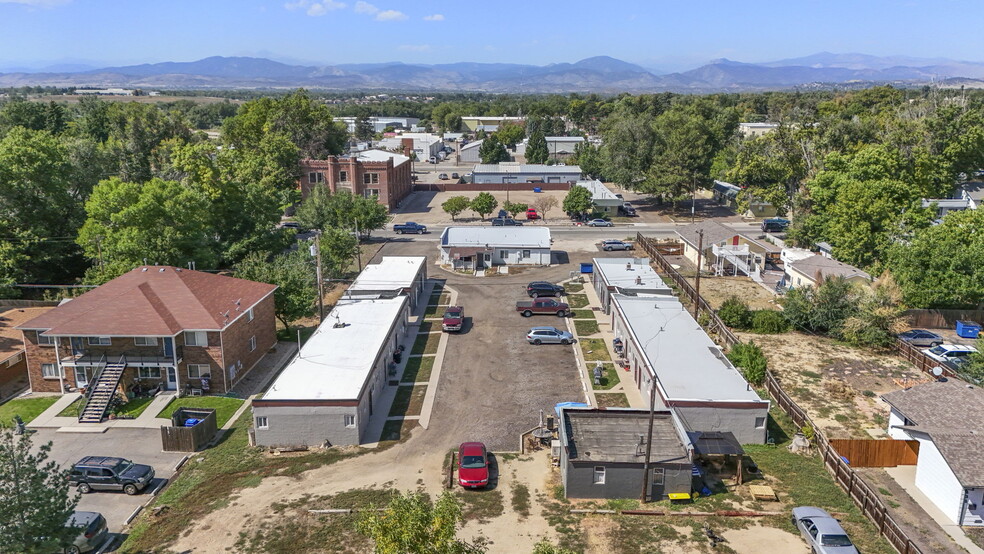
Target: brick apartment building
<point>385,175</point>
<point>13,362</point>
<point>168,326</point>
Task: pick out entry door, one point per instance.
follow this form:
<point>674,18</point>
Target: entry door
<point>172,379</point>
<point>487,259</point>
<point>81,377</point>
<point>168,347</point>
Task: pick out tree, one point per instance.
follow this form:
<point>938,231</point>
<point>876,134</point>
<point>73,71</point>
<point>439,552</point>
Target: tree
<point>537,151</point>
<point>364,129</point>
<point>411,525</point>
<point>306,122</point>
<point>484,204</point>
<point>492,151</point>
<point>734,312</point>
<point>544,204</point>
<point>293,273</point>
<point>514,208</point>
<point>577,201</point>
<point>36,502</point>
<point>455,205</point>
<point>751,360</point>
<point>588,157</point>
<point>546,547</point>
<point>338,249</point>
<point>509,134</point>
<point>343,210</point>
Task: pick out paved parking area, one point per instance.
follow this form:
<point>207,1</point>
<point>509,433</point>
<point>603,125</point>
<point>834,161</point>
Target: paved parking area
<point>142,446</point>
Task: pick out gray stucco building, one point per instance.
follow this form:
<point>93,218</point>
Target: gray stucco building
<point>603,453</point>
<point>510,172</point>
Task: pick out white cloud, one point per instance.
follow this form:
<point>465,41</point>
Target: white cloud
<point>415,47</point>
<point>435,17</point>
<point>365,7</point>
<point>391,15</point>
<point>314,9</point>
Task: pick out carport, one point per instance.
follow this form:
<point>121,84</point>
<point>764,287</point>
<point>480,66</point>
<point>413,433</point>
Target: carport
<point>714,445</point>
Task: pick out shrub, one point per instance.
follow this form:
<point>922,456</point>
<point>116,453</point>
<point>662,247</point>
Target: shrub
<point>734,312</point>
<point>769,322</point>
<point>750,359</point>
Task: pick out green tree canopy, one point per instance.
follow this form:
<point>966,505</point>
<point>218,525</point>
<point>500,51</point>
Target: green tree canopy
<point>492,151</point>
<point>342,210</point>
<point>455,205</point>
<point>306,123</point>
<point>577,201</point>
<point>509,134</point>
<point>514,208</point>
<point>484,204</point>
<point>536,150</point>
<point>294,275</point>
<point>412,525</point>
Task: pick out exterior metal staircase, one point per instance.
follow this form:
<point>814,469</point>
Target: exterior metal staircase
<point>101,392</point>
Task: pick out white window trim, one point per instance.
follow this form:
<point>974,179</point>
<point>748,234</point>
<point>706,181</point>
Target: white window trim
<point>660,473</point>
<point>348,420</point>
<point>45,340</point>
<point>598,475</point>
<point>56,371</point>
<point>249,315</point>
<point>252,343</point>
<point>149,370</point>
<point>147,341</point>
<point>195,336</point>
<point>203,369</point>
<point>262,422</point>
<point>99,341</point>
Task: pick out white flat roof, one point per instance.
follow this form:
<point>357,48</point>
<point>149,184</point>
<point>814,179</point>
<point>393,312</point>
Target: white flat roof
<point>513,167</point>
<point>376,155</point>
<point>392,272</point>
<point>334,364</point>
<point>688,364</point>
<point>598,190</point>
<point>527,237</point>
<point>625,274</point>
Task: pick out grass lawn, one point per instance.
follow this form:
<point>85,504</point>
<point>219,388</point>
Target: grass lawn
<point>398,430</point>
<point>418,370</point>
<point>210,478</point>
<point>290,335</point>
<point>582,314</point>
<point>576,301</point>
<point>586,327</point>
<point>224,407</point>
<point>408,401</point>
<point>481,505</point>
<point>72,410</point>
<point>574,287</point>
<point>26,408</point>
<point>439,299</point>
<point>612,400</point>
<point>594,350</point>
<point>609,377</point>
<point>426,343</point>
<point>131,409</point>
<point>434,311</point>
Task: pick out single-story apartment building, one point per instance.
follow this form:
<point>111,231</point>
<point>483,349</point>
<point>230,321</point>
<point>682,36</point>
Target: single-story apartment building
<point>755,130</point>
<point>391,277</point>
<point>662,346</point>
<point>726,251</point>
<point>628,276</point>
<point>809,270</point>
<point>602,197</point>
<point>511,172</point>
<point>472,248</point>
<point>329,392</point>
<point>945,417</point>
<point>603,453</point>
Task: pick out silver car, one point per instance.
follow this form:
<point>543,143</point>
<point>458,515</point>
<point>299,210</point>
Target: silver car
<point>549,335</point>
<point>92,531</point>
<point>609,245</point>
<point>822,532</point>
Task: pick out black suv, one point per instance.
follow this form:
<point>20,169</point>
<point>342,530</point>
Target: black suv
<point>100,473</point>
<point>543,288</point>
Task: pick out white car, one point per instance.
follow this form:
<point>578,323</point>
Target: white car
<point>949,353</point>
<point>600,223</point>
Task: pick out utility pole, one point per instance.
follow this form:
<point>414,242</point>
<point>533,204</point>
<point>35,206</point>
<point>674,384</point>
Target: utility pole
<point>358,245</point>
<point>649,442</point>
<point>693,200</point>
<point>700,250</point>
<point>316,252</point>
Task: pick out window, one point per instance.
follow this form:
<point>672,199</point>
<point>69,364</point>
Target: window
<point>249,314</point>
<point>14,360</point>
<point>370,178</point>
<point>45,340</point>
<point>262,422</point>
<point>503,254</point>
<point>759,422</point>
<point>599,475</point>
<point>316,177</point>
<point>99,341</point>
<point>149,372</point>
<point>145,341</point>
<point>349,420</point>
<point>195,371</point>
<point>370,193</point>
<point>252,343</point>
<point>343,176</point>
<point>50,371</point>
<point>195,338</point>
<point>658,474</point>
<point>526,253</point>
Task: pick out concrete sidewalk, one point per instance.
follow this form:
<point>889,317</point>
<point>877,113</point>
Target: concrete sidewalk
<point>905,476</point>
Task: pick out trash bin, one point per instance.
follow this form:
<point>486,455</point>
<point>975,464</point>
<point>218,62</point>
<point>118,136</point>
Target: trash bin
<point>587,268</point>
<point>537,189</point>
<point>968,329</point>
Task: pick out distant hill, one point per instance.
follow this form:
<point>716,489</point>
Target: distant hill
<point>601,74</point>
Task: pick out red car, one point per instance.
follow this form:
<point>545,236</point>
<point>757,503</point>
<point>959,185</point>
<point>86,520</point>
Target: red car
<point>454,317</point>
<point>531,214</point>
<point>473,465</point>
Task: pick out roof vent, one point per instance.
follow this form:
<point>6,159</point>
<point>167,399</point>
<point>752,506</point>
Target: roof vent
<point>638,279</point>
<point>143,269</point>
<point>161,270</point>
<point>628,266</point>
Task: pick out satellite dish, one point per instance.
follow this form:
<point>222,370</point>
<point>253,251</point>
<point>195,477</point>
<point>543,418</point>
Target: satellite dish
<point>937,371</point>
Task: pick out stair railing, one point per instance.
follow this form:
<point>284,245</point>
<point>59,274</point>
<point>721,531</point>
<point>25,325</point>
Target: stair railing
<point>90,385</point>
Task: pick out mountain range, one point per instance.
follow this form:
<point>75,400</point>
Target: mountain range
<point>601,74</point>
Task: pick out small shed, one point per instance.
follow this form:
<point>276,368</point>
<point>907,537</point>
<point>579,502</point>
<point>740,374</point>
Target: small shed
<point>191,429</point>
<point>715,445</point>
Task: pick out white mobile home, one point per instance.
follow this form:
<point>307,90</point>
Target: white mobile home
<point>472,248</point>
<point>391,277</point>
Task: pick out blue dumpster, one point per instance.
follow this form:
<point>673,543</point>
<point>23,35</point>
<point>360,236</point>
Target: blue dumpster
<point>537,189</point>
<point>587,268</point>
<point>968,329</point>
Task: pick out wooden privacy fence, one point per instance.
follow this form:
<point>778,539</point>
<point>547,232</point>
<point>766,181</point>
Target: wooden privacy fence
<point>941,319</point>
<point>877,453</point>
<point>922,362</point>
<point>189,439</point>
<point>664,268</point>
<point>863,496</point>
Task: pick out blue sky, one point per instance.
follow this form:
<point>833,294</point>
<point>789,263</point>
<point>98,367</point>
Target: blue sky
<point>656,33</point>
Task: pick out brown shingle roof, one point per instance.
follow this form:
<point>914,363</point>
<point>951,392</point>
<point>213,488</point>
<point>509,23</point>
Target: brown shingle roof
<point>11,338</point>
<point>719,234</point>
<point>154,301</point>
<point>950,413</point>
<point>827,267</point>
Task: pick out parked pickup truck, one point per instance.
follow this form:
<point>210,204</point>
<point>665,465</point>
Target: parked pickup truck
<point>410,227</point>
<point>542,306</point>
<point>454,317</point>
